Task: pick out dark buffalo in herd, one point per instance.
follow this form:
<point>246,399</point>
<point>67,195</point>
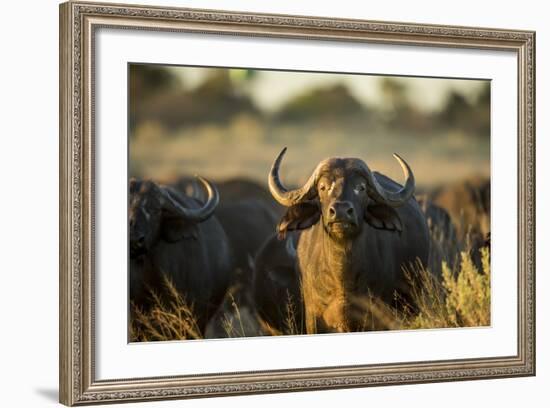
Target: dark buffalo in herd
<point>179,237</point>
<point>465,201</point>
<point>458,216</point>
<point>246,211</point>
<point>276,284</point>
<point>247,224</point>
<point>248,257</point>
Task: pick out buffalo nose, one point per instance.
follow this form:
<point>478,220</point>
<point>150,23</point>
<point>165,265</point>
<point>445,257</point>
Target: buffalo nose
<point>341,211</point>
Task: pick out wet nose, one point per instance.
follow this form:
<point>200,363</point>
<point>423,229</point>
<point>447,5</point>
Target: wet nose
<point>341,211</point>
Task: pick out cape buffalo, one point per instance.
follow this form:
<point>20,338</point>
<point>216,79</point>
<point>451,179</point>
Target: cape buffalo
<point>276,285</point>
<point>468,203</point>
<point>233,190</point>
<point>444,243</point>
<point>236,316</point>
<point>177,236</point>
<point>358,229</point>
<point>247,223</point>
<point>246,211</point>
<point>241,189</point>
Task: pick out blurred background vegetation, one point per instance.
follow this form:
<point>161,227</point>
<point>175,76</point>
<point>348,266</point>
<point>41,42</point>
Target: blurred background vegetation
<point>224,123</point>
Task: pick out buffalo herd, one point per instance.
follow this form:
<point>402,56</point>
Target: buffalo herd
<point>259,260</point>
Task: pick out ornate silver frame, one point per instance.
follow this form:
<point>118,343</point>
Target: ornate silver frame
<point>78,22</point>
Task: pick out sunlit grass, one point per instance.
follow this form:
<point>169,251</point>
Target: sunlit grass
<point>171,319</point>
<point>461,299</point>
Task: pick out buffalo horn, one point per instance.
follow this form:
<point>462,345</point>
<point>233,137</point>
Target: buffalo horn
<point>194,214</point>
<point>391,198</point>
<point>289,197</point>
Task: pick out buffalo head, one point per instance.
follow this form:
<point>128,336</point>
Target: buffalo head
<point>344,193</point>
<point>156,212</point>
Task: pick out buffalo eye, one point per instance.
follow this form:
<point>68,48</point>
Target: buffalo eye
<point>360,188</point>
<point>322,187</point>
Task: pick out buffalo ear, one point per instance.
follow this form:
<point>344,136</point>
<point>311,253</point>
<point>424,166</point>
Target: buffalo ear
<point>298,217</point>
<point>381,216</point>
<point>175,229</point>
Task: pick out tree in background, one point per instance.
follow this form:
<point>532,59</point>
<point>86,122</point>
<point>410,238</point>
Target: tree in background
<point>146,81</point>
<point>472,117</point>
<point>215,100</point>
<point>322,104</point>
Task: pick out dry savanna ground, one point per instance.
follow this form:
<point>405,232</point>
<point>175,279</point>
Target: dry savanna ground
<point>246,146</point>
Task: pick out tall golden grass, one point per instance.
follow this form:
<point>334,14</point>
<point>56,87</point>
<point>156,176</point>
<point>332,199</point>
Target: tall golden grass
<point>461,299</point>
<point>169,318</point>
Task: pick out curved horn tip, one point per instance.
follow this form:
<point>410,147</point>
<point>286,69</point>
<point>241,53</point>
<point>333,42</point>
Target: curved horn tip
<point>276,188</point>
<point>209,186</point>
<point>212,200</point>
<point>397,156</point>
<point>203,180</point>
<point>280,156</point>
<point>396,198</point>
<point>402,162</point>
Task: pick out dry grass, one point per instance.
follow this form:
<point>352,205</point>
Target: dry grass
<point>233,322</point>
<point>462,298</point>
<point>469,294</point>
<point>293,325</point>
<point>171,319</point>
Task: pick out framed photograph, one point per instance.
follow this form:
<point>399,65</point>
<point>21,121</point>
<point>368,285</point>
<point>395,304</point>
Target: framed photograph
<point>258,203</point>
